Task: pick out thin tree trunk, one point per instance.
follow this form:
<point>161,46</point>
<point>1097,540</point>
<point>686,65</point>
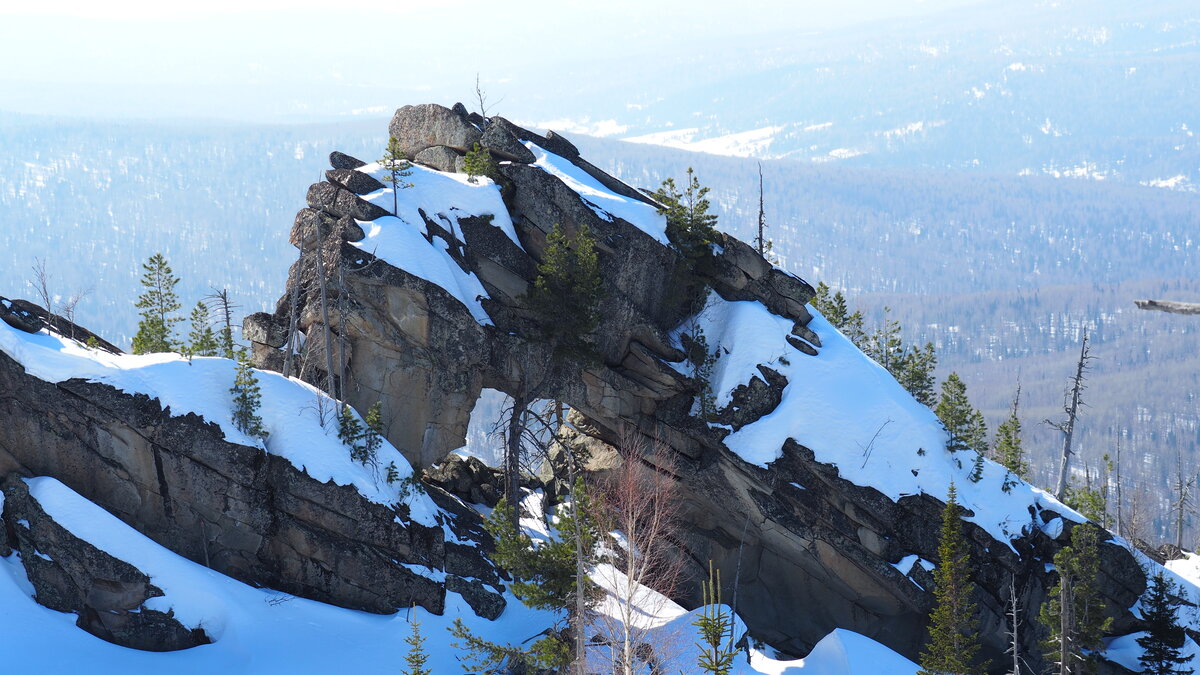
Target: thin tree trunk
<point>1016,645</point>
<point>1120,520</point>
<point>512,457</point>
<point>1068,428</point>
<point>762,218</point>
<point>325,313</point>
<point>342,311</point>
<point>579,621</point>
<point>293,304</point>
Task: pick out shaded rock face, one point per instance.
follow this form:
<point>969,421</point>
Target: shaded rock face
<point>70,575</point>
<point>243,512</point>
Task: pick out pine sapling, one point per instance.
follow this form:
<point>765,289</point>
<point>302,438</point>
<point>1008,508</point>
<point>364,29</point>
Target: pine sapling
<point>716,629</point>
<point>202,341</point>
<point>247,399</point>
<point>397,166</point>
<point>416,657</point>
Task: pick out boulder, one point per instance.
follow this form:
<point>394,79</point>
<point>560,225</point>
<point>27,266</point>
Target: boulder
<point>417,127</point>
<point>500,140</point>
<point>355,181</point>
<point>340,160</point>
<point>441,158</point>
<point>21,318</point>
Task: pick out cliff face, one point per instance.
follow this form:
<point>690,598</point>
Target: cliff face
<point>813,542</point>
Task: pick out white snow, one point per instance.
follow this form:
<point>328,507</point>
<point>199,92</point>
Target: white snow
<point>255,630</point>
<point>853,415</point>
<point>289,409</point>
<point>401,241</point>
<point>749,143</point>
<point>606,203</point>
<point>842,652</point>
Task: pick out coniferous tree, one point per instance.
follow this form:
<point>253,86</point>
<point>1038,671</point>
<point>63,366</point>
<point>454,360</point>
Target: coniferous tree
<point>246,399</point>
<point>567,291</point>
<point>1007,449</point>
<point>416,657</point>
<point>834,309</point>
<point>885,346</point>
<point>1164,638</point>
<point>397,166</point>
<point>717,651</point>
<point>543,577</point>
<point>479,162</point>
<point>915,369</point>
<point>953,624</point>
<point>960,419</point>
<point>220,303</point>
<point>158,304</point>
<point>1074,611</point>
<point>372,435</point>
<point>202,341</point>
<point>690,226</point>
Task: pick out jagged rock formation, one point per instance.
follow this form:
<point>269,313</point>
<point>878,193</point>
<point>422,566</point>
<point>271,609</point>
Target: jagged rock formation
<point>248,514</point>
<point>811,558</point>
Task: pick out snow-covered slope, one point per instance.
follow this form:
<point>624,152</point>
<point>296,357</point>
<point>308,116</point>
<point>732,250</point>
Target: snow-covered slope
<point>290,410</point>
<point>853,415</point>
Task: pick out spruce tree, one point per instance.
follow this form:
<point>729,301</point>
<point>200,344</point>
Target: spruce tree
<point>953,624</point>
<point>158,304</point>
<point>834,309</point>
<point>416,657</point>
<point>716,649</point>
<point>885,346</point>
<point>955,411</point>
<point>690,227</point>
<point>567,291</point>
<point>372,436</point>
<point>479,162</point>
<point>1074,611</point>
<point>202,341</point>
<point>1007,449</point>
<point>915,369</point>
<point>1164,636</point>
<point>246,399</point>
<point>397,166</point>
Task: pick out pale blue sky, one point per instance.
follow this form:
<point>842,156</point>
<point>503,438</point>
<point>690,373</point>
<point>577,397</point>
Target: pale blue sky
<point>271,59</point>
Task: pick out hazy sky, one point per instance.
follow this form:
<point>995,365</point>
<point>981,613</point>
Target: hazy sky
<point>268,59</point>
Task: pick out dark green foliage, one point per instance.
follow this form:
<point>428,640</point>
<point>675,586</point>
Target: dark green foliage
<point>1090,502</point>
<point>202,341</point>
<point>363,440</point>
<point>953,624</point>
<point>246,399</point>
<point>543,577</point>
<point>158,304</point>
<point>964,424</point>
<point>1007,449</point>
<point>416,657</point>
<point>479,162</point>
<point>391,473</point>
<point>703,360</point>
<point>690,227</point>
<point>397,166</point>
<point>885,346</point>
<point>1074,611</point>
<point>717,651</point>
<point>914,372</point>
<point>567,292</point>
<point>834,309</point>
<point>1165,637</point>
<point>92,342</point>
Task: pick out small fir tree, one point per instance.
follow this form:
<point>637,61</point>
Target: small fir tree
<point>397,166</point>
<point>202,341</point>
<point>372,435</point>
<point>1007,449</point>
<point>1074,610</point>
<point>885,346</point>
<point>1164,638</point>
<point>703,360</point>
<point>914,372</point>
<point>479,162</point>
<point>350,432</point>
<point>416,657</point>
<point>715,622</point>
<point>963,423</point>
<point>834,309</point>
<point>690,227</point>
<point>953,624</point>
<point>158,304</point>
<point>246,399</point>
<point>567,291</point>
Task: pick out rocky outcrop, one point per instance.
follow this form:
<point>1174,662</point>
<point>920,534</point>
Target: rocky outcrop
<point>248,514</point>
<point>810,551</point>
<point>71,575</point>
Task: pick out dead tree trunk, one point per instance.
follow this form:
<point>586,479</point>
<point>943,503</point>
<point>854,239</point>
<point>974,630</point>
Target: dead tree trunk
<point>512,457</point>
<point>1183,500</point>
<point>1074,400</point>
<point>1169,306</point>
<point>291,345</point>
